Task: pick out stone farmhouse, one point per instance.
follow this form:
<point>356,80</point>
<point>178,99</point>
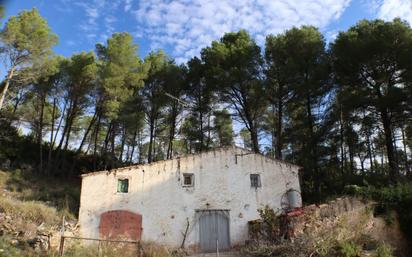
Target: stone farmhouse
<point>202,201</point>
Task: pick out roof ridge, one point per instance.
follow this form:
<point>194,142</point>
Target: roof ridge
<point>186,156</point>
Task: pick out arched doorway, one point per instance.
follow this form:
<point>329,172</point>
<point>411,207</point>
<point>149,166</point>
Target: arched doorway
<point>120,224</point>
<point>214,230</point>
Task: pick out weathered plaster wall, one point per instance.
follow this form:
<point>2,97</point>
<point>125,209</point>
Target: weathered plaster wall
<point>222,181</point>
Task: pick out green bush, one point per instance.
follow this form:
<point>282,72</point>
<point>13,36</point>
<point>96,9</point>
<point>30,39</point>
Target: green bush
<point>397,197</point>
<point>384,250</point>
<point>10,248</point>
<point>7,249</point>
<point>349,249</point>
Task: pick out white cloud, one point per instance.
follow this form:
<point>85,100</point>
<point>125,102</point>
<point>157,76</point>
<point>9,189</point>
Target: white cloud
<point>127,5</point>
<point>99,22</point>
<point>189,25</point>
<point>390,9</point>
<point>331,35</point>
<point>70,42</point>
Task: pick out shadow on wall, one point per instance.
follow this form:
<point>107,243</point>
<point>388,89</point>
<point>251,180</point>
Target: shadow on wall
<point>173,221</point>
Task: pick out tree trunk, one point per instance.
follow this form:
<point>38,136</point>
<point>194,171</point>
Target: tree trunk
<point>79,149</point>
<point>208,131</point>
<point>254,138</point>
<point>149,153</point>
<point>113,163</point>
<point>351,157</point>
<point>370,155</point>
<point>106,143</point>
<point>274,133</point>
<point>73,116</point>
<point>171,135</point>
<point>342,148</point>
<point>122,144</point>
<point>140,146</point>
<point>60,124</point>
<point>51,137</point>
<point>96,135</point>
<point>405,150</point>
<point>201,131</point>
<point>154,153</point>
<point>66,125</point>
<point>279,144</point>
<point>133,146</point>
<point>40,133</point>
<point>313,150</point>
<point>393,166</point>
<point>6,85</point>
<point>86,133</point>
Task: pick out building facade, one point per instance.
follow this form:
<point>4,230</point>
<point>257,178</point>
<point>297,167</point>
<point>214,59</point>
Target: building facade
<point>202,201</point>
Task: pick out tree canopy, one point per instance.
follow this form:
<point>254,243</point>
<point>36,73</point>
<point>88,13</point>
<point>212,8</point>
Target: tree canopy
<point>342,111</point>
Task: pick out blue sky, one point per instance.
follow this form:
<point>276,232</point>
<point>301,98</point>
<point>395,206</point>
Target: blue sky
<point>183,27</point>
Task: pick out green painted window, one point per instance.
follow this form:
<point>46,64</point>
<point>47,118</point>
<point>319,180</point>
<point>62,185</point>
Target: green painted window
<point>122,185</point>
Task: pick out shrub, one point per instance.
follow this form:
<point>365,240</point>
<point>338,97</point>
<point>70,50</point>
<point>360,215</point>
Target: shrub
<point>349,249</point>
<point>10,248</point>
<point>384,250</point>
<point>397,197</point>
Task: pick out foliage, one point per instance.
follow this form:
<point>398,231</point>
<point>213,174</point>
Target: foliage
<point>349,249</point>
<point>27,41</point>
<point>31,191</point>
<point>384,250</point>
<point>341,111</point>
<point>270,226</point>
<point>372,61</point>
<point>223,128</point>
<point>233,64</point>
<point>9,248</point>
<point>397,197</point>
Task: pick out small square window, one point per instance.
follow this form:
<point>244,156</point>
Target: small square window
<point>122,185</point>
<point>255,180</point>
<point>188,179</point>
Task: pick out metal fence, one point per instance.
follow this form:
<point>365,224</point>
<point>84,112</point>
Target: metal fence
<point>99,247</point>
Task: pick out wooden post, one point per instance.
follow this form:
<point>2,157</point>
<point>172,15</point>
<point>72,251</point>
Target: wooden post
<point>139,253</point>
<point>98,249</point>
<point>61,247</point>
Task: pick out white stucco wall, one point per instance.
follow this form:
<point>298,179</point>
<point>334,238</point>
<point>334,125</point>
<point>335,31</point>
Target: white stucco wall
<point>222,181</point>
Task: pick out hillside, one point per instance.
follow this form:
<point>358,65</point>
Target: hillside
<point>31,210</point>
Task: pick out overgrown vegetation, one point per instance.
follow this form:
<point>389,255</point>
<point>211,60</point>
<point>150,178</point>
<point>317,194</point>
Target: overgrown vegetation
<point>28,190</point>
<point>9,248</point>
<point>345,236</point>
<point>398,198</point>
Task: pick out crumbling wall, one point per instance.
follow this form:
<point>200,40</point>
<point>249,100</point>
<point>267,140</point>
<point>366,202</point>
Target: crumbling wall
<point>315,214</point>
<point>326,227</point>
<point>349,218</point>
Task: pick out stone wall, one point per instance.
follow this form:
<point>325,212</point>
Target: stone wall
<point>156,192</point>
<point>315,215</point>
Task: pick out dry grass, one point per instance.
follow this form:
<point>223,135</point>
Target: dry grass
<point>149,249</point>
<point>61,194</point>
<point>346,236</point>
<point>31,211</point>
